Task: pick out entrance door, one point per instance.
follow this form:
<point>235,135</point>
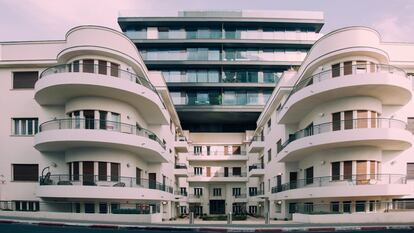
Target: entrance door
<point>152,180</point>
<point>88,171</point>
<point>217,207</point>
<point>293,180</point>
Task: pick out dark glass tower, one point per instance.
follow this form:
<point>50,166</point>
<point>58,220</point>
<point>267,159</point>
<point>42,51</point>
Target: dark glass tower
<point>222,66</point>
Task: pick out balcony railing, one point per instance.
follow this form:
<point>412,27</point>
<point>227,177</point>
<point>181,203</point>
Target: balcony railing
<point>241,195</point>
<point>257,138</point>
<point>256,166</point>
<point>180,166</point>
<point>102,181</point>
<point>180,139</point>
<point>344,71</point>
<point>344,180</point>
<point>184,194</point>
<point>95,124</point>
<point>195,196</point>
<point>359,123</point>
<point>98,69</point>
<point>219,153</point>
<point>257,193</point>
<point>243,174</point>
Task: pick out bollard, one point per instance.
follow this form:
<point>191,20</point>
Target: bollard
<point>267,218</point>
<point>191,217</point>
<point>229,218</point>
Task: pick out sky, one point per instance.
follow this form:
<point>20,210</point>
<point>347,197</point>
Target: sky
<point>23,20</point>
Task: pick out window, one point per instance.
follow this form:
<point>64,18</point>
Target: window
<point>103,208</point>
<point>236,192</point>
<point>198,191</point>
<point>252,209</point>
<point>279,145</point>
<point>336,71</point>
<point>102,69</point>
<point>114,206</point>
<point>336,171</point>
<point>252,191</point>
<point>360,206</point>
<point>197,150</point>
<point>269,155</point>
<point>114,69</point>
<point>347,207</point>
<point>410,170</point>
<point>335,206</point>
<point>114,171</point>
<point>89,208</point>
<point>336,121</point>
<point>27,205</point>
<point>25,126</point>
<point>347,170</point>
<point>216,192</point>
<point>183,191</point>
<point>25,172</point>
<point>269,123</point>
<point>102,171</point>
<point>292,208</point>
<point>237,171</point>
<point>26,79</point>
<point>138,174</point>
<point>88,66</point>
<point>347,67</point>
<point>198,171</point>
<point>76,66</point>
<point>309,175</point>
<point>308,207</point>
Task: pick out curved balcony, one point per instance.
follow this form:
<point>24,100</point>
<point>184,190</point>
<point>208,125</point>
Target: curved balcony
<point>389,84</point>
<point>102,187</point>
<point>387,134</point>
<point>59,84</point>
<point>64,134</point>
<point>356,185</point>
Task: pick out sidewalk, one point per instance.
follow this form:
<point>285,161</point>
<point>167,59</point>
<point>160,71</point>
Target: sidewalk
<point>215,226</point>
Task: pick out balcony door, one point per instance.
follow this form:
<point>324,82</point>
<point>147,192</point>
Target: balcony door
<point>293,179</point>
<point>361,177</point>
<point>89,116</point>
<point>88,173</point>
<point>152,180</point>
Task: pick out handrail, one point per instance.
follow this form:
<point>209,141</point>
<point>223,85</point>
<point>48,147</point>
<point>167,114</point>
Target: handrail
<point>358,123</point>
<point>96,124</point>
<point>256,166</point>
<point>257,138</point>
<point>342,71</point>
<point>102,181</point>
<point>218,153</point>
<point>99,69</point>
<point>354,179</point>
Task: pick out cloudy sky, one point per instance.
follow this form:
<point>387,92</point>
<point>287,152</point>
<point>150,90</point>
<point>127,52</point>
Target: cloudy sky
<point>51,19</point>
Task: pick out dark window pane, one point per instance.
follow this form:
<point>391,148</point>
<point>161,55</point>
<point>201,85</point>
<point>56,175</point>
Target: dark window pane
<point>336,171</point>
<point>88,66</point>
<point>102,171</point>
<point>25,172</point>
<point>114,171</point>
<point>114,69</point>
<point>336,71</point>
<point>25,79</point>
<point>76,66</point>
<point>102,67</point>
<point>89,208</point>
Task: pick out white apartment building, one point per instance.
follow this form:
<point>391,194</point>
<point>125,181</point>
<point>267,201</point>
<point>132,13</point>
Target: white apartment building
<point>90,134</point>
<point>336,135</point>
<point>85,131</point>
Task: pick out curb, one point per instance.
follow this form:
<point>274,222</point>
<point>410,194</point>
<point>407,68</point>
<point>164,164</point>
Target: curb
<point>214,229</point>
